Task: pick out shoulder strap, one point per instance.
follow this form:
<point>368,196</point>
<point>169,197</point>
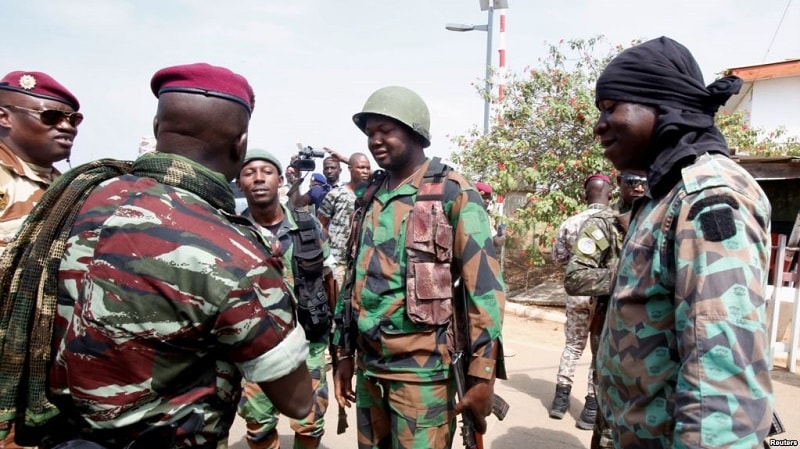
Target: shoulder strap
<point>306,234</point>
<point>432,187</point>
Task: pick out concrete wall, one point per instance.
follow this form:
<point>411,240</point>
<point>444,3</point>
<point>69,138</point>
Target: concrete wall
<point>773,103</point>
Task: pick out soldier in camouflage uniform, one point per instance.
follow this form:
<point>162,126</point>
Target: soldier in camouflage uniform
<point>166,298</point>
<point>337,209</point>
<point>403,327</point>
<point>597,192</point>
<point>38,124</point>
<point>591,270</point>
<point>259,180</point>
<point>683,359</point>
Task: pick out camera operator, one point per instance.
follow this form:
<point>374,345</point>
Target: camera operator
<point>303,162</point>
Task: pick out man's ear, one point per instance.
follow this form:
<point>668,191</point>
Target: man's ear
<point>155,126</point>
<point>239,150</point>
<point>5,120</point>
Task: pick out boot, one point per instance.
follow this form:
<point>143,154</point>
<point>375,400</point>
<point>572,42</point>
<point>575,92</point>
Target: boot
<point>560,401</point>
<point>588,414</point>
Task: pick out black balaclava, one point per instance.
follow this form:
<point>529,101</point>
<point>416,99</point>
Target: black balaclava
<point>664,74</point>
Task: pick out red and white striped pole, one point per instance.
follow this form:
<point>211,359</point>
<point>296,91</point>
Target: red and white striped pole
<point>501,50</point>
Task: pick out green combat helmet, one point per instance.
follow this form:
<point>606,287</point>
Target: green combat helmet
<point>401,104</point>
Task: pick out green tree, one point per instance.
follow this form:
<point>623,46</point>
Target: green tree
<point>755,141</point>
<point>541,145</point>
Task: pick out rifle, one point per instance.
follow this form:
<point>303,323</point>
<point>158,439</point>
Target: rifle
<point>471,438</point>
<point>342,425</point>
<point>348,332</point>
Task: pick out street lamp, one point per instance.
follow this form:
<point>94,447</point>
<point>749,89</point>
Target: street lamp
<point>486,5</point>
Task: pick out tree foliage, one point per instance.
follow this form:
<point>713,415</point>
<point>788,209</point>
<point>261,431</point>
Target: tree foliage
<point>541,145</point>
<point>754,141</point>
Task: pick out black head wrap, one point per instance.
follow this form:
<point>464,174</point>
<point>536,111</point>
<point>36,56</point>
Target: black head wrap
<point>664,74</point>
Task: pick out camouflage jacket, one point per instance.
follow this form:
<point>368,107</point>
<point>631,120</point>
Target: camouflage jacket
<point>684,356</point>
<point>21,186</point>
<point>163,306</point>
<point>390,345</point>
<point>568,232</point>
<point>338,206</point>
<point>595,256</point>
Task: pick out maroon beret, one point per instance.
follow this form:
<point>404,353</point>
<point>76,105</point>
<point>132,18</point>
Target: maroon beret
<point>599,176</point>
<point>38,84</point>
<point>483,188</point>
<point>204,79</point>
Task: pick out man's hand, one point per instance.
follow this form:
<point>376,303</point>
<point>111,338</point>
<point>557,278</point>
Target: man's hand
<point>343,382</point>
<point>337,155</point>
<point>478,400</point>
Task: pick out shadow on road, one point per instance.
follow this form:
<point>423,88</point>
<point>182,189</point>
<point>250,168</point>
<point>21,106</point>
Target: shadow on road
<point>543,390</point>
<point>783,376</point>
<point>536,437</point>
<point>534,387</point>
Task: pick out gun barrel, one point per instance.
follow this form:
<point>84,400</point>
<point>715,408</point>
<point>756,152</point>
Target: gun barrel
<point>341,426</point>
<point>467,423</point>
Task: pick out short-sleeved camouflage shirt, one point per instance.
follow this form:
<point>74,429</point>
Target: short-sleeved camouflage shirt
<point>568,232</point>
<point>392,346</point>
<point>163,305</point>
<point>21,186</point>
<point>595,256</point>
<point>684,356</point>
<point>338,207</point>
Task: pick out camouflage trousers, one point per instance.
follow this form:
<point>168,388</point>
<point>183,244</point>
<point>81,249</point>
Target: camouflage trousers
<point>261,416</point>
<point>576,330</point>
<point>393,414</point>
<point>339,272</point>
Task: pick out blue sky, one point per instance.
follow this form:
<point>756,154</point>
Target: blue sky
<point>313,63</point>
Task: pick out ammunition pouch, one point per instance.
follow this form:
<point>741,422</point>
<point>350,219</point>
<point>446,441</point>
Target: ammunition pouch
<point>313,311</point>
<point>429,245</point>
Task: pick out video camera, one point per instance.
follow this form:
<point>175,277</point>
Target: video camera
<point>305,158</point>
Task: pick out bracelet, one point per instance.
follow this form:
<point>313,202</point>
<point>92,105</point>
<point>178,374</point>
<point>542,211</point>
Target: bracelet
<point>344,357</point>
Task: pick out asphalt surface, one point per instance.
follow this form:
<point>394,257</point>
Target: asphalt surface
<point>534,339</point>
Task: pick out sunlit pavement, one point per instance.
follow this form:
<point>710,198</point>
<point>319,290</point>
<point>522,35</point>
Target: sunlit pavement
<point>534,348</point>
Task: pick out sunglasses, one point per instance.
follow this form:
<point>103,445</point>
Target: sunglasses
<point>635,181</point>
<point>52,117</point>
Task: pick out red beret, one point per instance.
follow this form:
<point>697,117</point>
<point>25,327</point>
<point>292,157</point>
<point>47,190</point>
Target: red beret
<point>38,84</point>
<point>484,188</point>
<point>599,176</point>
<point>204,79</point>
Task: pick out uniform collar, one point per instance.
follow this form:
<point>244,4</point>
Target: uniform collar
<point>14,163</point>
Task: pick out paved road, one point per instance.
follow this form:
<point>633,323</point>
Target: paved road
<point>534,348</point>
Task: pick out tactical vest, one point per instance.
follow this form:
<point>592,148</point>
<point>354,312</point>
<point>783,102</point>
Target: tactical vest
<point>429,245</point>
<point>313,311</point>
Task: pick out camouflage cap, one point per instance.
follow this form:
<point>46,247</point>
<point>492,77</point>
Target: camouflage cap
<point>258,153</point>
